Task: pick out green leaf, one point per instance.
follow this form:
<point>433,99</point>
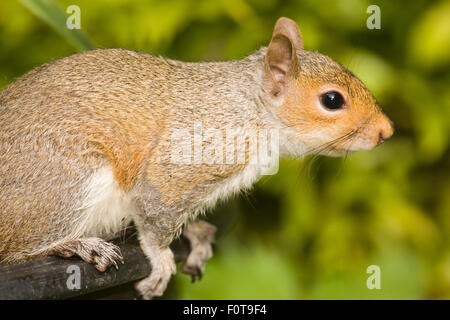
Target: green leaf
<point>49,12</point>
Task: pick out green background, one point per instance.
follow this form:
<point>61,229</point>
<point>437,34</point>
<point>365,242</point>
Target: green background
<point>311,231</point>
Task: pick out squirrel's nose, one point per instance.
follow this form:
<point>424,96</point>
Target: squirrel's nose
<point>386,131</point>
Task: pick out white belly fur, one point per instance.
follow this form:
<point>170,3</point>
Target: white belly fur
<point>106,208</point>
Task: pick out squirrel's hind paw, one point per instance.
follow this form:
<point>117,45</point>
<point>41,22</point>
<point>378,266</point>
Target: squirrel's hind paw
<point>100,253</point>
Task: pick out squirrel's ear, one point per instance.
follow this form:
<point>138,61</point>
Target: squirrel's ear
<point>281,56</point>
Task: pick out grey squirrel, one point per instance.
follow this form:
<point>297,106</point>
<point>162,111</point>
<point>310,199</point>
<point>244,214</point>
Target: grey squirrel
<point>87,145</point>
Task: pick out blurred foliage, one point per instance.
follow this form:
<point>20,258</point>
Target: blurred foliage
<point>51,13</point>
<point>311,230</point>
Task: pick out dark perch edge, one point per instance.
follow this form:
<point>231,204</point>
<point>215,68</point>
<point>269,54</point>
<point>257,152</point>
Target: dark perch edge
<point>46,278</point>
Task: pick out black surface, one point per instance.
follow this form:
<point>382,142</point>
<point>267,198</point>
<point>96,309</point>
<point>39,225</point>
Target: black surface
<point>46,278</point>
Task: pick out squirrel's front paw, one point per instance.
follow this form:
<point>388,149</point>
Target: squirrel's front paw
<point>201,236</point>
<point>156,283</point>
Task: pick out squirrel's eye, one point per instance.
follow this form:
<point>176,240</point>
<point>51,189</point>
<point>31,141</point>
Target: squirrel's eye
<point>332,100</point>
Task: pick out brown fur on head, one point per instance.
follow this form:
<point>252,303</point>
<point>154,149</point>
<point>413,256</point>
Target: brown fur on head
<point>295,82</point>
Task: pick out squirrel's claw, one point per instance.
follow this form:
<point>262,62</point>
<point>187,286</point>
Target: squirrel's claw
<point>195,272</point>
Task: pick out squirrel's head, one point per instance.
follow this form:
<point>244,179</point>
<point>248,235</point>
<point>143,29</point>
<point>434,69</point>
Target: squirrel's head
<point>323,107</point>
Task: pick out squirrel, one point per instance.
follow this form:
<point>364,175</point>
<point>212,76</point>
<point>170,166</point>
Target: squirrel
<point>87,145</point>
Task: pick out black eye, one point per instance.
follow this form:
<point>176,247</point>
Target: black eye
<point>332,100</point>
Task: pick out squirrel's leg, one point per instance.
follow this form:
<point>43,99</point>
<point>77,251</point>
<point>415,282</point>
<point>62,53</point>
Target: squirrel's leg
<point>201,236</point>
<point>102,254</point>
<point>155,239</point>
